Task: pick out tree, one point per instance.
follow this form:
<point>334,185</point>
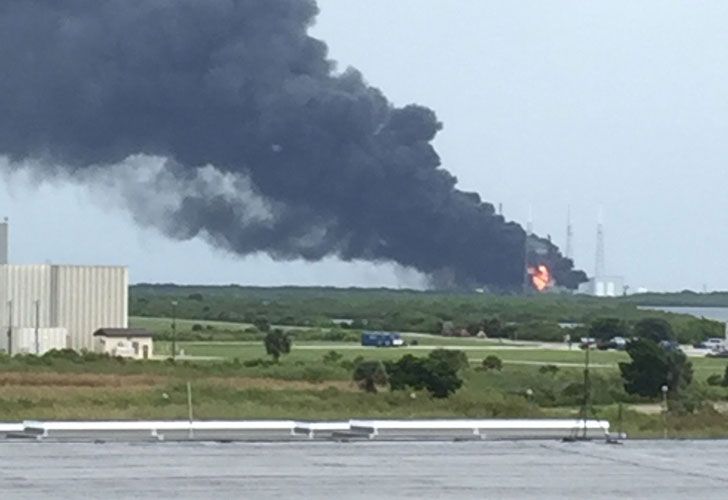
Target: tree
<point>654,329</point>
<point>608,328</point>
<point>370,374</point>
<point>653,366</point>
<point>492,363</point>
<point>277,343</point>
<point>455,359</point>
<point>437,375</point>
<point>262,324</point>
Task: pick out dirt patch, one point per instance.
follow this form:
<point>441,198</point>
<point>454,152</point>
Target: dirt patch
<point>105,380</point>
<point>78,379</point>
<point>647,408</point>
<point>277,384</point>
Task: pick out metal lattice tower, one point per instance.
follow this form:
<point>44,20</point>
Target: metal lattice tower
<point>600,264</point>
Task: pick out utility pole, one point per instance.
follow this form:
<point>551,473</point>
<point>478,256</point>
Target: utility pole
<point>174,330</point>
<point>664,389</point>
<point>587,390</point>
<point>189,409</point>
<point>10,327</point>
<point>37,327</point>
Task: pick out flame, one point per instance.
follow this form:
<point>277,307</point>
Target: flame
<point>541,277</point>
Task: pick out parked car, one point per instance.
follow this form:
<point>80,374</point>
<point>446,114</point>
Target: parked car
<point>669,345</point>
<point>618,343</point>
<point>589,342</point>
<point>713,344</point>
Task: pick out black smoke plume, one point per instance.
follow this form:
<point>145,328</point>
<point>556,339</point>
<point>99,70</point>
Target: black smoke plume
<point>267,147</point>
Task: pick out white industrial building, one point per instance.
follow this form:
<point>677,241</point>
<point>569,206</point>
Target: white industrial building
<point>603,286</point>
<point>44,307</point>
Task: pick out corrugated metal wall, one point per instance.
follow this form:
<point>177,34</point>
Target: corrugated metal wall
<point>26,285</point>
<point>81,299</point>
<point>4,243</point>
<point>86,298</point>
<point>24,340</point>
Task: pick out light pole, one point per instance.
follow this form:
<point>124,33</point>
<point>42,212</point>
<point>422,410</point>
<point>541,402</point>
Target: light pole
<point>10,327</point>
<point>587,389</point>
<point>174,330</point>
<point>664,389</point>
<point>37,327</point>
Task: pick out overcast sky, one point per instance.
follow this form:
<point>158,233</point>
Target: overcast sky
<point>620,104</point>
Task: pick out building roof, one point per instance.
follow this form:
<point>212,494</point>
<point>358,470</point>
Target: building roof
<point>122,332</point>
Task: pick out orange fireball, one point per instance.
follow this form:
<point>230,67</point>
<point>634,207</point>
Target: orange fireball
<point>541,277</point>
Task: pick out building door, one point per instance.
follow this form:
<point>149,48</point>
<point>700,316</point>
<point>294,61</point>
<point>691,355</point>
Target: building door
<point>145,351</point>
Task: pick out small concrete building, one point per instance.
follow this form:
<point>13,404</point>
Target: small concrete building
<point>133,343</point>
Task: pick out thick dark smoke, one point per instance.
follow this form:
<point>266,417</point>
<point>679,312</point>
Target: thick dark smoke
<point>266,147</point>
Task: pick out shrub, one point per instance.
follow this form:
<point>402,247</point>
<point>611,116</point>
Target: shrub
<point>455,360</point>
<point>492,363</point>
<point>197,327</point>
<point>262,324</point>
<point>370,374</point>
<point>252,363</point>
<point>715,379</point>
<point>66,354</point>
<point>332,357</point>
<point>439,377</point>
<point>314,374</point>
<point>548,369</point>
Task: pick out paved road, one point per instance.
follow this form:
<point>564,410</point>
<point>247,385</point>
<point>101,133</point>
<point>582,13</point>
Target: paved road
<point>505,470</point>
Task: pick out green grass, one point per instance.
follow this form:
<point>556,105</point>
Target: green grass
<point>156,325</point>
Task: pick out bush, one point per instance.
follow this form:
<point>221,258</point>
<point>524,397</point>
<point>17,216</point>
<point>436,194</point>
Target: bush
<point>262,324</point>
<point>314,374</point>
<point>332,357</point>
<point>252,363</point>
<point>455,360</point>
<point>370,374</point>
<point>548,369</point>
<point>197,327</point>
<point>65,354</point>
<point>492,363</point>
<point>715,380</point>
<point>439,377</point>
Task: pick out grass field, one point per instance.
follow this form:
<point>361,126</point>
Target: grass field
<point>303,386</point>
<point>314,351</point>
